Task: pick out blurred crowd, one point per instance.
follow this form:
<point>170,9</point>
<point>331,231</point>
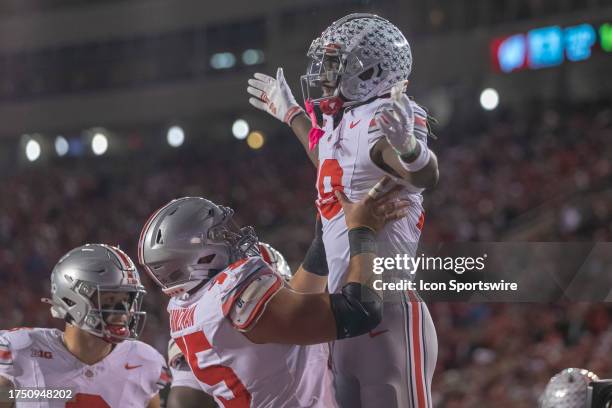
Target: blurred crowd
<point>544,176</point>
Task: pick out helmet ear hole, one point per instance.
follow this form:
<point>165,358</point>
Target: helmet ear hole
<point>68,301</point>
<point>367,74</point>
<point>174,276</point>
<point>159,239</point>
<point>206,259</point>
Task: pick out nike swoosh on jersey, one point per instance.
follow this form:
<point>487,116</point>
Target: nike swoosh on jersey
<point>353,124</point>
<point>129,367</point>
<point>378,333</point>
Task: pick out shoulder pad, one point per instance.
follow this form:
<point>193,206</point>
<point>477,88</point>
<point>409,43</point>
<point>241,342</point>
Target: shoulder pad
<point>234,275</point>
<point>244,304</point>
<point>16,339</point>
<point>176,358</point>
<point>165,378</point>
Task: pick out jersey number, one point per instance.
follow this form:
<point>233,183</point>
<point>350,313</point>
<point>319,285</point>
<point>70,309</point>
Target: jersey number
<point>193,343</point>
<point>330,180</point>
<point>87,401</point>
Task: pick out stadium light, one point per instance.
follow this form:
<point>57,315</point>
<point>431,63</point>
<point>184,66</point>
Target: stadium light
<point>252,57</point>
<point>99,144</point>
<point>175,136</point>
<point>61,146</point>
<point>255,140</point>
<point>240,129</point>
<point>489,99</point>
<point>32,150</point>
<point>222,60</point>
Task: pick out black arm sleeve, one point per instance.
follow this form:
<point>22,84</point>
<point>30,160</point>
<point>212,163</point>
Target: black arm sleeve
<point>315,260</point>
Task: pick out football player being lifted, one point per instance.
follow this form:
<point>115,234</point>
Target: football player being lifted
<point>357,77</point>
<point>96,289</point>
<point>185,390</point>
<point>250,339</point>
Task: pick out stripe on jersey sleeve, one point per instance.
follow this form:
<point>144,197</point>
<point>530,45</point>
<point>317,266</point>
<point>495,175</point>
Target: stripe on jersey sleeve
<point>6,356</point>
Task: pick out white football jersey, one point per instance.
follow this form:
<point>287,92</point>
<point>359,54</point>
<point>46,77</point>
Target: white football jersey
<point>207,327</point>
<point>345,165</point>
<point>129,376</point>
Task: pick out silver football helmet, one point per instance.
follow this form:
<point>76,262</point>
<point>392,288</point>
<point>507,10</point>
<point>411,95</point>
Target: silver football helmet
<point>568,389</point>
<point>276,260</point>
<point>189,240</point>
<point>81,284</point>
<point>361,56</point>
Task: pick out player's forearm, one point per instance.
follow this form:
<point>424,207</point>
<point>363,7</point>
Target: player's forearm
<point>358,307</point>
<point>425,177</point>
<point>428,176</point>
<point>301,126</point>
<point>362,246</point>
<point>307,282</point>
<point>360,269</point>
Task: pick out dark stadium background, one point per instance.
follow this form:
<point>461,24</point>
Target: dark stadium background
<point>537,168</point>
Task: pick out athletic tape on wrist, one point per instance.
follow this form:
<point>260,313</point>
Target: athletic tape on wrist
<point>361,240</point>
<point>292,113</point>
<point>420,161</point>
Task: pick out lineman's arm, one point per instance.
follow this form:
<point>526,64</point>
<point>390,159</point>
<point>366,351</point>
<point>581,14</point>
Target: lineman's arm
<point>311,277</point>
<point>298,318</point>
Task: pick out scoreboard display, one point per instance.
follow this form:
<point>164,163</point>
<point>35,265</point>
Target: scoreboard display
<point>549,46</point>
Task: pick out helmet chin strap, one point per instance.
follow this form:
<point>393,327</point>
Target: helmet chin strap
<point>116,333</point>
<point>331,106</point>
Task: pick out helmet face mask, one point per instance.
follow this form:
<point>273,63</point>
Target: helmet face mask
<point>241,240</point>
<point>115,315</point>
<point>97,289</point>
<point>329,65</point>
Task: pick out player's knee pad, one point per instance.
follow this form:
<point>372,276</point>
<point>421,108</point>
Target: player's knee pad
<point>357,309</point>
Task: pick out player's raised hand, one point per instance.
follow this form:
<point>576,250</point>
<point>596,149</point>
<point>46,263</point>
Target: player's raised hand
<point>371,212</point>
<point>397,123</point>
<point>274,96</point>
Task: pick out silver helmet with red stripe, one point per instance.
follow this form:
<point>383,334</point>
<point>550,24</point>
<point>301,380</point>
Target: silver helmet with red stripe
<point>97,288</point>
<point>276,260</point>
<point>189,240</point>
